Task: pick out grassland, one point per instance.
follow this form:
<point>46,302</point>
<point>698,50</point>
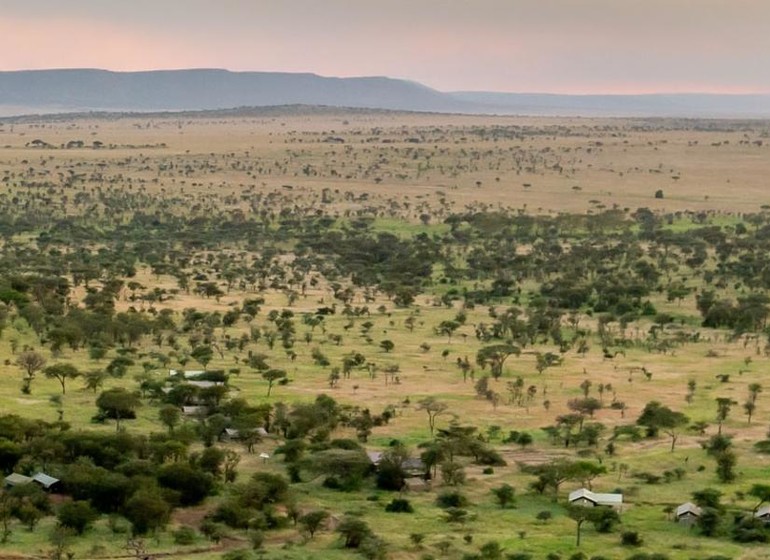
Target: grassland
<point>405,174</point>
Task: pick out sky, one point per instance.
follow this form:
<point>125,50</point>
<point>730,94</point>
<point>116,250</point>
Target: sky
<point>559,46</point>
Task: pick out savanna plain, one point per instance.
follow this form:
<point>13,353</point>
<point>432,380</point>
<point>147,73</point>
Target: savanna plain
<point>313,333</point>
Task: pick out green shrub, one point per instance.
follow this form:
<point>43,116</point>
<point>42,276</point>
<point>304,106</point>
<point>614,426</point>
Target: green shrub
<point>491,550</point>
<point>193,485</point>
<point>630,538</point>
<point>184,536</point>
<point>451,500</point>
<point>214,531</point>
<point>544,516</point>
<point>233,515</point>
<point>488,456</point>
<point>399,505</point>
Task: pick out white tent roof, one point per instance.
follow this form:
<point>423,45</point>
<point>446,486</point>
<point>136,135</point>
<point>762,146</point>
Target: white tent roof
<point>596,497</point>
<point>762,512</point>
<point>688,507</point>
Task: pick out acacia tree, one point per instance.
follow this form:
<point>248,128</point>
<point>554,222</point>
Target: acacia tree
<point>585,406</point>
<point>724,404</point>
<point>147,512</point>
<point>229,465</point>
<point>708,500</point>
<point>202,354</point>
<point>6,515</point>
<point>603,518</point>
<point>170,416</point>
<point>271,376</point>
<point>118,403</point>
<point>547,360</point>
<point>505,495</point>
<point>564,428</point>
<point>751,402</point>
<point>354,531</point>
<point>555,473</point>
<point>447,328</point>
<point>94,379</point>
<point>433,408</point>
<point>495,356</point>
<point>761,492</point>
<point>312,521</point>
<point>31,362</point>
<point>720,448</point>
<point>656,417</point>
<point>62,372</point>
<point>77,515</point>
<point>579,514</point>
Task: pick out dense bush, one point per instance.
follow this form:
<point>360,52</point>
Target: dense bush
<point>184,536</point>
<point>77,515</point>
<point>147,512</point>
<point>399,505</point>
<point>630,538</point>
<point>354,531</point>
<point>233,514</point>
<point>451,500</point>
<point>192,485</point>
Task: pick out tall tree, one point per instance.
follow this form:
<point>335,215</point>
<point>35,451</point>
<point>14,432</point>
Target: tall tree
<point>495,356</point>
<point>170,415</point>
<point>761,492</point>
<point>62,372</point>
<point>147,511</point>
<point>31,362</point>
<point>554,474</point>
<point>118,403</point>
<point>94,379</point>
<point>657,417</point>
<point>724,404</point>
<point>202,354</point>
<point>447,328</point>
<point>271,376</point>
<point>720,448</point>
<point>750,405</point>
<point>433,407</point>
<point>312,521</point>
<point>505,495</point>
<point>579,514</point>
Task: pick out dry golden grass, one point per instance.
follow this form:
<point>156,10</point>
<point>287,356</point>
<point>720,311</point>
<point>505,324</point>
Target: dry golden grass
<point>600,162</point>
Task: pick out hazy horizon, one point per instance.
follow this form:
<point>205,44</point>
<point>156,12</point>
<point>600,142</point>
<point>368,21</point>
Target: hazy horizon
<point>522,92</point>
<point>548,46</point>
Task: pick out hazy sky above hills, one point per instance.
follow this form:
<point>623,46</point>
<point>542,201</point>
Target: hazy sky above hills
<point>565,46</point>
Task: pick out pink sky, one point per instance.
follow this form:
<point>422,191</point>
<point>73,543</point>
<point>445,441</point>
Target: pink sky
<point>564,46</point>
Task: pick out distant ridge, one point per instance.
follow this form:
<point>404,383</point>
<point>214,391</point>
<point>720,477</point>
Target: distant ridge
<point>646,105</point>
<point>85,90</point>
<point>266,111</point>
<point>180,90</point>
